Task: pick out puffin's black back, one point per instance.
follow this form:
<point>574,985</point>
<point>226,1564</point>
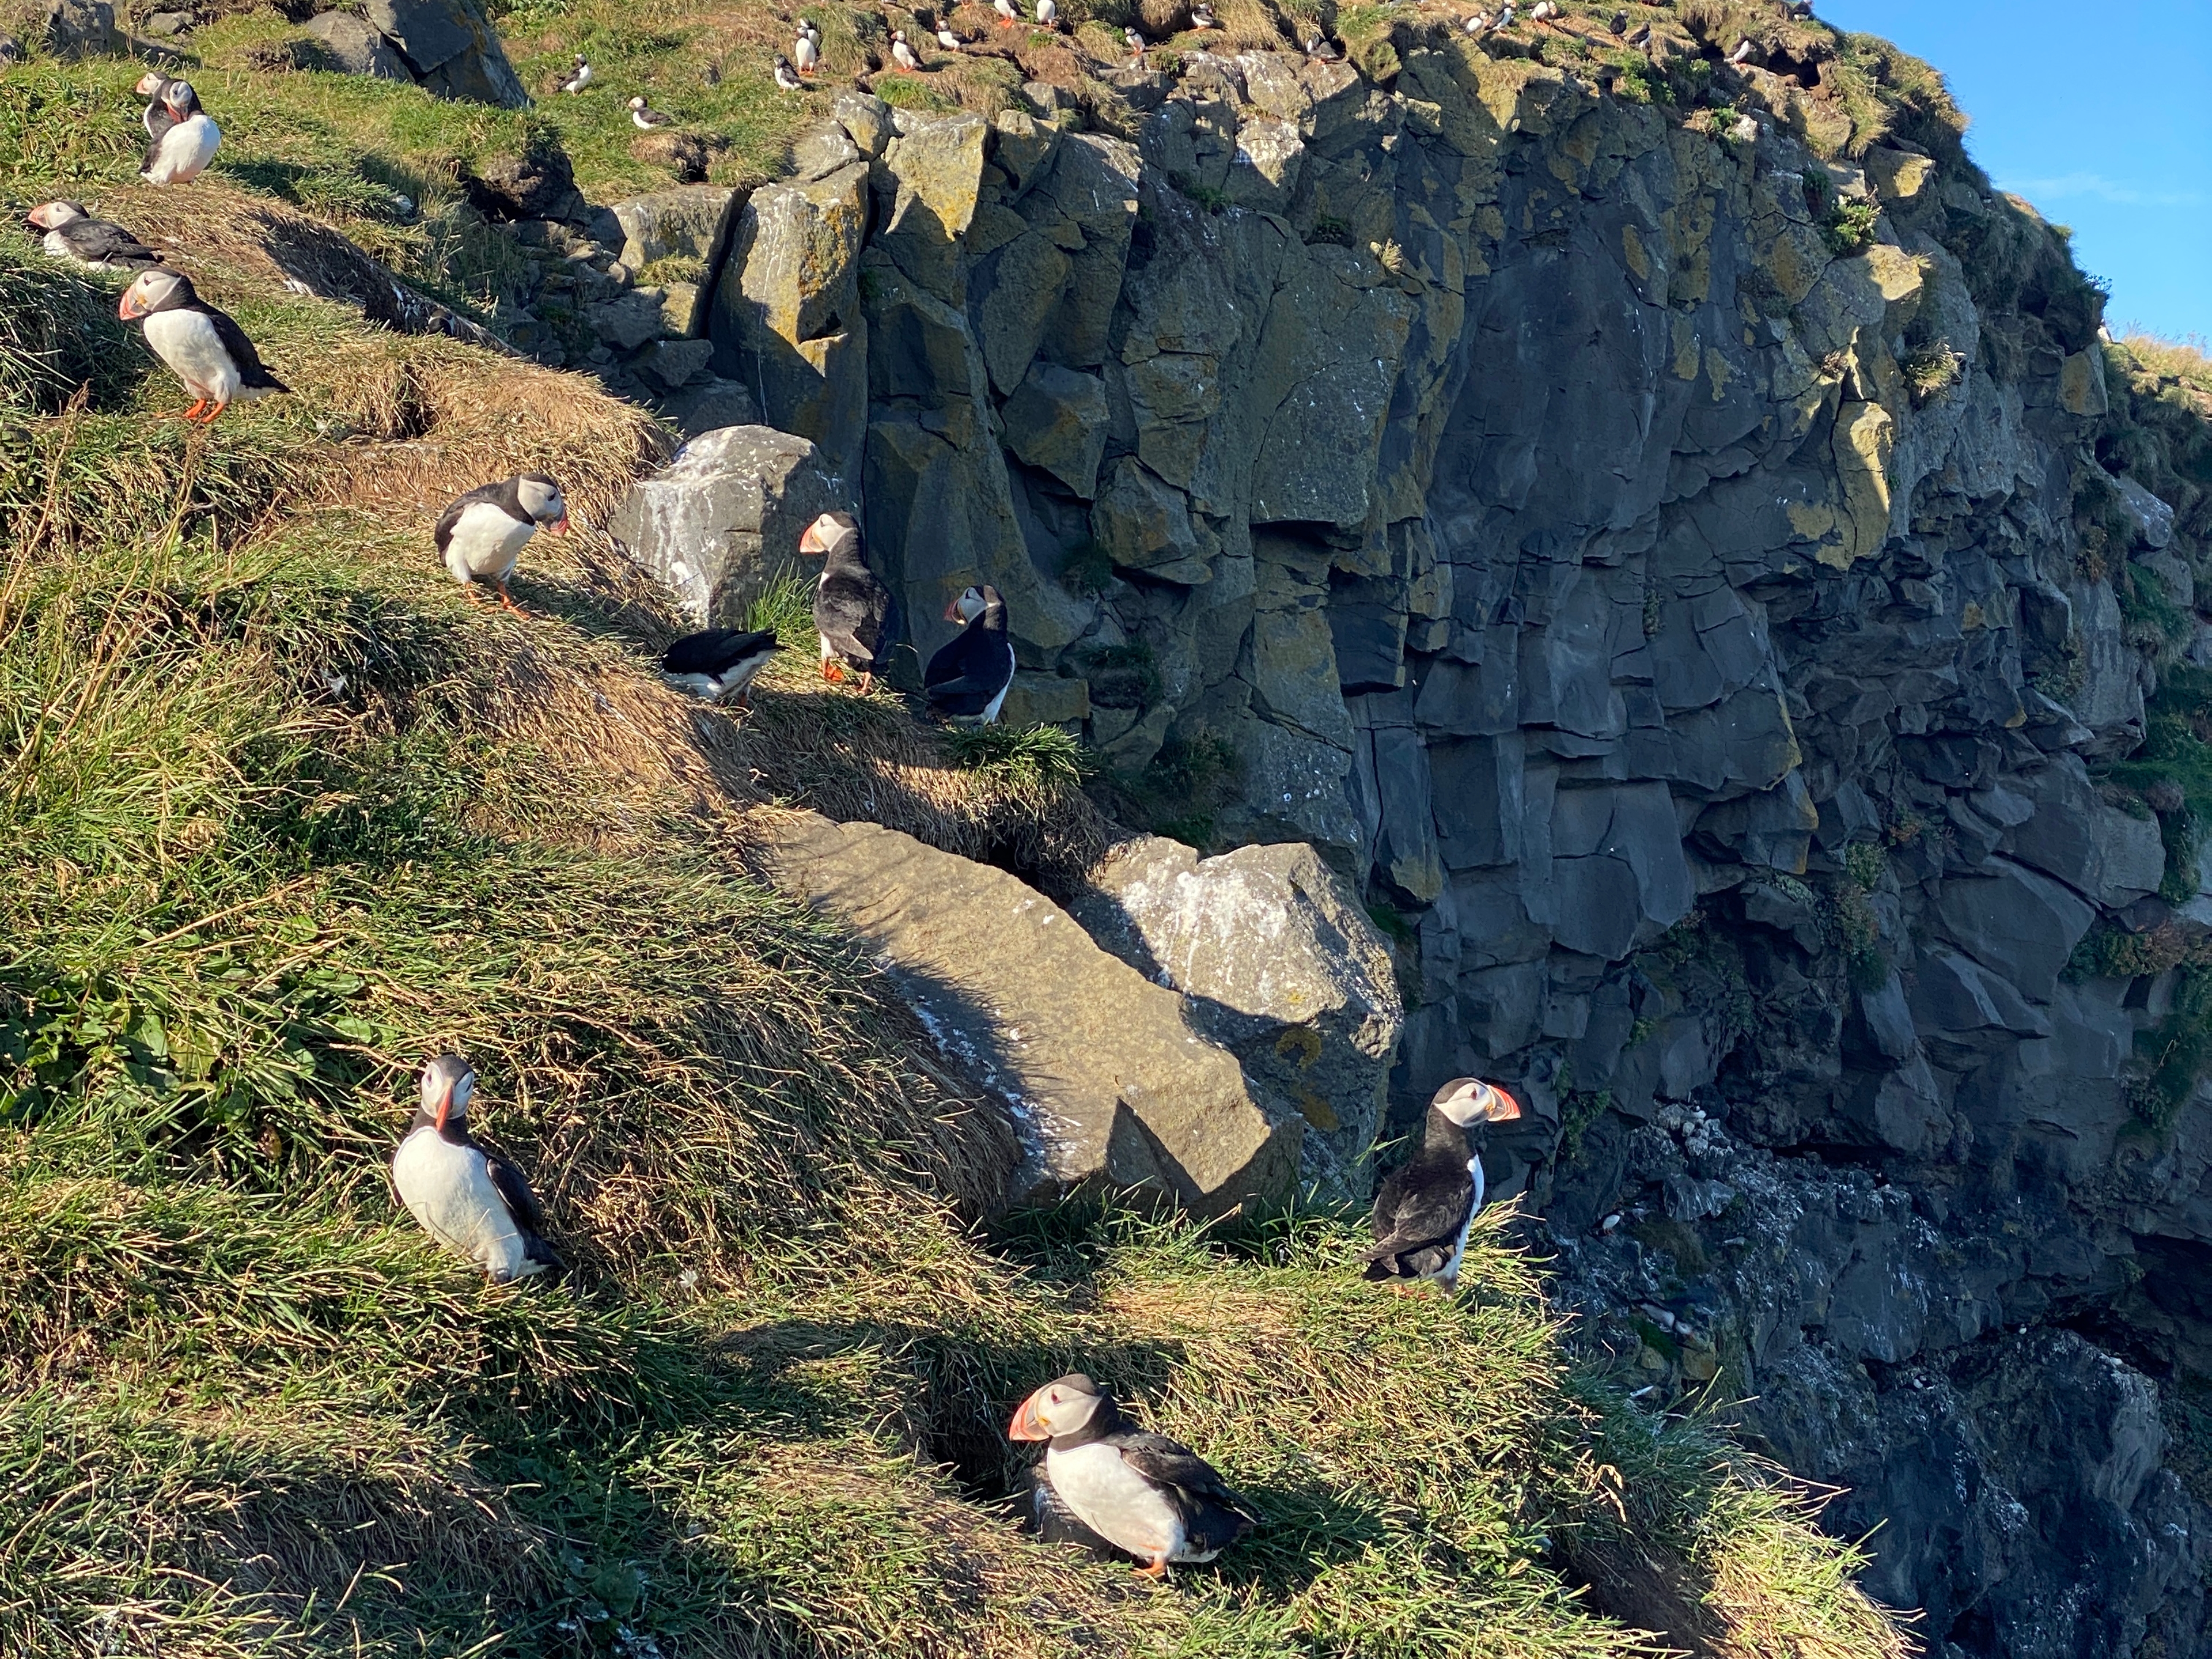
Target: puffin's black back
<point>715,650</point>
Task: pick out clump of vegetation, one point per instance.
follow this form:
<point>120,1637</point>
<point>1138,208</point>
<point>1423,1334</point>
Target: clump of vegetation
<point>786,607</point>
<point>1932,369</point>
<point>1179,792</point>
<point>1865,865</point>
<point>1087,567</point>
<point>1850,225</point>
<point>1040,759</point>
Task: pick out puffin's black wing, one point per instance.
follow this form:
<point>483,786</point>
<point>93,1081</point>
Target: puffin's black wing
<point>97,242</point>
<point>950,660</point>
<point>990,671</point>
<point>852,611</point>
<point>460,504</point>
<point>1422,1204</point>
<point>1166,1463</point>
<point>251,371</point>
<point>715,650</point>
<point>513,1190</point>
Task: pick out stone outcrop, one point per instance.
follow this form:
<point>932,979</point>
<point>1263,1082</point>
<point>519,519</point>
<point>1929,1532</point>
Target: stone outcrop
<point>1707,587</point>
<point>1278,963</point>
<point>1108,1083</point>
<point>449,49</point>
<point>724,516</point>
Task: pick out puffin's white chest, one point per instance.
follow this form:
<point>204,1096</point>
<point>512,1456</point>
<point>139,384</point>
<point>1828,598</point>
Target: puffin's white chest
<point>1450,1272</point>
<point>184,151</point>
<point>485,541</point>
<point>991,710</point>
<point>187,341</point>
<point>1115,1502</point>
<point>57,246</point>
<point>448,1190</point>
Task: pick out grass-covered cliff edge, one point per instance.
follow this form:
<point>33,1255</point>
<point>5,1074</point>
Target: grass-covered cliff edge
<point>285,816</point>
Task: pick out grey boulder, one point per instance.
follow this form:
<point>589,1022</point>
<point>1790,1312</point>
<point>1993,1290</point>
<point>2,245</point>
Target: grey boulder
<point>353,46</point>
<point>1280,964</point>
<point>1108,1084</point>
<point>724,516</point>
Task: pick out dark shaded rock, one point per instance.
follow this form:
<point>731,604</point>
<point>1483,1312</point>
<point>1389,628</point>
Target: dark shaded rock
<point>539,184</point>
<point>81,28</point>
<point>353,46</point>
<point>451,48</point>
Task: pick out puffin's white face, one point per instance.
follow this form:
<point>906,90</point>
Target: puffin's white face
<point>52,215</point>
<point>181,100</point>
<point>151,291</point>
<point>150,82</point>
<point>1467,1100</point>
<point>447,1083</point>
<point>823,533</point>
<point>966,608</point>
<point>637,103</point>
<point>1062,1407</point>
<point>541,499</point>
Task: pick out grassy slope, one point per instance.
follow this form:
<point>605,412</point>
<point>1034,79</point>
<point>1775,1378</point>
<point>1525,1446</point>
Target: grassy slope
<point>279,814</point>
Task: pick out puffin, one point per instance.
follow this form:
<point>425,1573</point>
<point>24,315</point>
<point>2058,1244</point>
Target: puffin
<point>71,233</point>
<point>1140,1491</point>
<point>1742,52</point>
<point>854,615</point>
<point>1321,50</point>
<point>1201,16</point>
<point>155,116</point>
<point>580,77</point>
<point>805,55</point>
<point>718,662</point>
<point>648,119</point>
<point>1618,23</point>
<point>1543,11</point>
<point>1047,14</point>
<point>946,39</point>
<point>1135,42</point>
<point>481,534</point>
<point>204,347</point>
<point>1422,1212</point>
<point>1009,13</point>
<point>902,54</point>
<point>1505,16</point>
<point>785,76</point>
<point>966,680</point>
<point>468,1197</point>
<point>185,143</point>
<point>1478,22</point>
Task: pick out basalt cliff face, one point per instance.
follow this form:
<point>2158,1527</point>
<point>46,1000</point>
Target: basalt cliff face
<point>1698,565</point>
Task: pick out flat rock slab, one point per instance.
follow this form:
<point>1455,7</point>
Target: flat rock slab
<point>1109,1084</point>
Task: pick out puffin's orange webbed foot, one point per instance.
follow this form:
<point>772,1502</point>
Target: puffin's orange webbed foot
<point>508,600</point>
<point>190,414</point>
<point>1157,1568</point>
<point>832,672</point>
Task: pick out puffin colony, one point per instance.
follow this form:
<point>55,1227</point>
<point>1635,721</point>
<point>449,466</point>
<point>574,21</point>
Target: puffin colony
<point>1105,1481</point>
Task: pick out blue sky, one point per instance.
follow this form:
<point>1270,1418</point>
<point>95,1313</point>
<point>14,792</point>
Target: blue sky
<point>2099,113</point>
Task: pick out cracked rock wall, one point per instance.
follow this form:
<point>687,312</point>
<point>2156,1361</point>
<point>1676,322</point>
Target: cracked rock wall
<point>1711,644</point>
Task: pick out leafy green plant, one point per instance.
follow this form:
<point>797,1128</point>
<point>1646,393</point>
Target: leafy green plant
<point>1040,758</point>
<point>786,606</point>
<point>1850,226</point>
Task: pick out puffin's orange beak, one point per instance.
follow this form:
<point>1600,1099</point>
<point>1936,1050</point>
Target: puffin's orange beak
<point>560,526</point>
<point>952,612</point>
<point>128,310</point>
<point>445,1105</point>
<point>810,544</point>
<point>1025,1426</point>
<point>1506,1109</point>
